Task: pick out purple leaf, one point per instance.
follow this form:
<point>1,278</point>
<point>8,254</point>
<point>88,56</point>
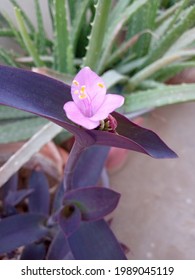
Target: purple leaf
<point>10,185</point>
<point>20,230</point>
<point>69,218</point>
<point>95,241</point>
<point>92,160</point>
<point>15,197</point>
<point>11,196</point>
<point>40,198</point>
<point>34,252</point>
<point>45,97</point>
<point>35,93</point>
<point>133,137</point>
<point>58,198</point>
<point>59,248</point>
<point>93,202</point>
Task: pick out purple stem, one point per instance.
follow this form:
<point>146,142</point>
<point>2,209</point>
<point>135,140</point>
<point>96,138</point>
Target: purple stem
<point>74,155</point>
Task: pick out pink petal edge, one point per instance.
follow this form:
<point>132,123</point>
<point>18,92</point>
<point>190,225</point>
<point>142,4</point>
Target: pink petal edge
<point>75,115</point>
<point>111,102</point>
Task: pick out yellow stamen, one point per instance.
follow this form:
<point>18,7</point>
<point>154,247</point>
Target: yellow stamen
<point>101,85</point>
<point>76,92</point>
<point>82,95</point>
<point>75,83</point>
<point>83,89</point>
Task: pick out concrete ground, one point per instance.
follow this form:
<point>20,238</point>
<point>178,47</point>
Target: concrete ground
<point>156,214</point>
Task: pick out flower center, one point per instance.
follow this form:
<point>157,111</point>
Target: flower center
<point>82,91</point>
<point>84,98</point>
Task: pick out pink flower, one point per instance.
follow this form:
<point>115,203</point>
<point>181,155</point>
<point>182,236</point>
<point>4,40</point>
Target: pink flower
<point>90,102</point>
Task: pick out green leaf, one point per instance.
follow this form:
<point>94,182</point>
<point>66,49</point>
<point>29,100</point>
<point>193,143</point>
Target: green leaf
<point>163,44</point>
<point>113,30</point>
<point>157,65</point>
<point>51,11</point>
<point>24,15</point>
<point>32,146</point>
<point>118,54</point>
<point>96,37</point>
<point>15,31</point>
<point>26,38</point>
<point>165,14</point>
<point>177,13</point>
<point>41,31</point>
<point>147,14</point>
<point>5,32</point>
<point>7,58</point>
<point>159,97</point>
<point>128,67</point>
<point>8,113</point>
<point>62,47</point>
<point>20,130</point>
<point>112,78</point>
<point>185,41</point>
<point>116,12</point>
<point>170,71</point>
<point>79,20</point>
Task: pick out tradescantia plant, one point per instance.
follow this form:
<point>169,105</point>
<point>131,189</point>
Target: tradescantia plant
<point>75,227</point>
<point>72,225</point>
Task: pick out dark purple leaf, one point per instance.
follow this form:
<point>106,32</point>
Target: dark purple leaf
<point>40,198</point>
<point>59,248</point>
<point>45,97</point>
<point>69,219</point>
<point>93,202</point>
<point>11,196</point>
<point>37,94</point>
<point>10,185</point>
<point>95,241</point>
<point>20,230</point>
<point>91,162</point>
<point>34,252</point>
<point>133,137</point>
<point>58,198</point>
<point>15,197</point>
<point>9,210</point>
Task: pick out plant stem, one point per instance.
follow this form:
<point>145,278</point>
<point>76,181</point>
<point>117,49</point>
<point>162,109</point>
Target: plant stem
<point>75,153</point>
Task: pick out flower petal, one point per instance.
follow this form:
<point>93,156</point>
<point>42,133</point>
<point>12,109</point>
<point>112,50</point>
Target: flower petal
<point>88,83</point>
<point>111,102</point>
<point>75,115</point>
